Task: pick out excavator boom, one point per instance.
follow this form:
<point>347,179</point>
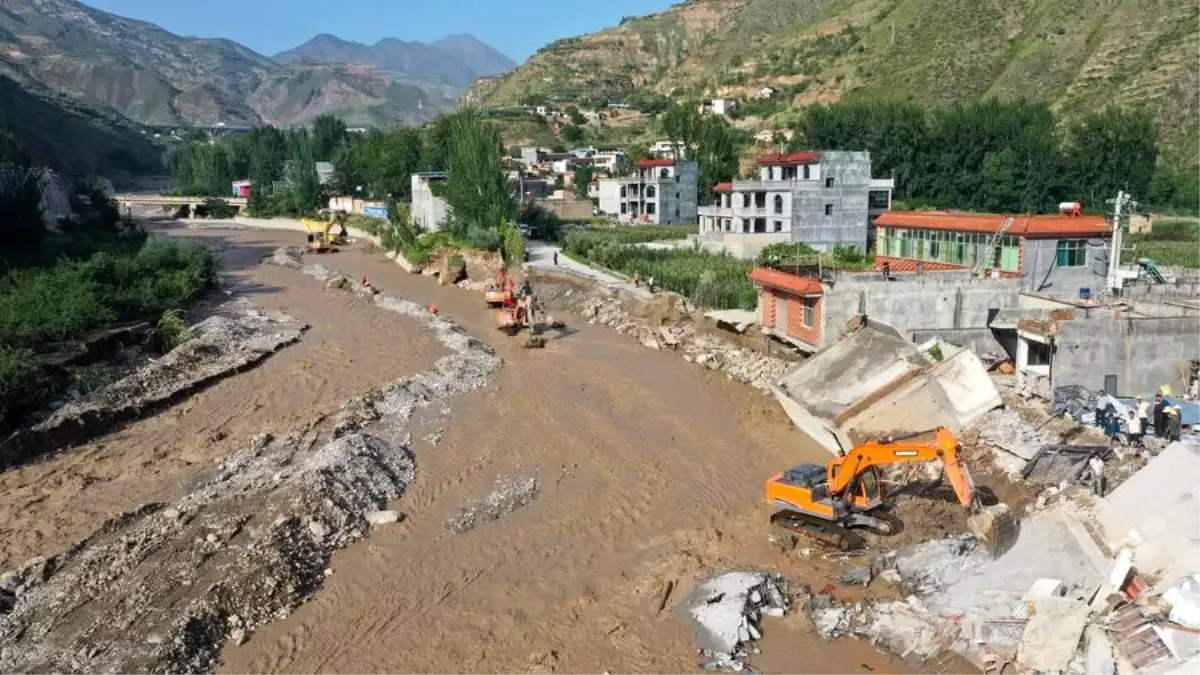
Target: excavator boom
<point>844,471</point>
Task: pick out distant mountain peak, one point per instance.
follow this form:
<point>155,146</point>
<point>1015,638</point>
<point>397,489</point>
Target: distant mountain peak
<point>454,61</point>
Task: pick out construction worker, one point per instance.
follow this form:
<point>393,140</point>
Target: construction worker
<point>1096,469</point>
<point>637,279</point>
<point>525,295</point>
<point>1174,423</point>
<point>1143,413</point>
<point>1133,429</point>
<point>1160,416</point>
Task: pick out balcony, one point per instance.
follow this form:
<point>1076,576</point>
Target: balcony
<point>714,212</point>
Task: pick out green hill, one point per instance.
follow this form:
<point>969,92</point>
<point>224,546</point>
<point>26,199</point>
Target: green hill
<point>1076,55</point>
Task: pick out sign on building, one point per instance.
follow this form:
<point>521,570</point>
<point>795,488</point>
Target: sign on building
<point>375,211</point>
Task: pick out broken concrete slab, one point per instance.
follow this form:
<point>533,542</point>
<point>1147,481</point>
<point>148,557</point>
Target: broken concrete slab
<point>908,629</point>
<point>1155,512</point>
<point>377,518</point>
<point>1052,635</point>
<point>726,612</point>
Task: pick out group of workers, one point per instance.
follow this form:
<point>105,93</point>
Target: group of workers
<point>1162,419</point>
<point>637,281</point>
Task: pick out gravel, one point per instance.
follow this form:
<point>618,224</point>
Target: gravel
<point>508,495</point>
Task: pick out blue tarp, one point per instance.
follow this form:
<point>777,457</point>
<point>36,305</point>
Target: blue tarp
<point>1189,410</point>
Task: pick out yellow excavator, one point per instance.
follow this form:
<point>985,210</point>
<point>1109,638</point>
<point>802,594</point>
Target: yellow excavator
<point>325,235</point>
<point>833,503</point>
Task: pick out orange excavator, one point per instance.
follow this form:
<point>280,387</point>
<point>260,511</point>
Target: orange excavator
<point>500,294</point>
<point>832,503</point>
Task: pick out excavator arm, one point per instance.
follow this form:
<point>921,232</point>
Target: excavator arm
<point>843,472</point>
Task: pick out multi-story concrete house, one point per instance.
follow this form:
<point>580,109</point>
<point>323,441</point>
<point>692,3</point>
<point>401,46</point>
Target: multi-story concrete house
<point>659,192</point>
<point>823,199</point>
<point>428,210</point>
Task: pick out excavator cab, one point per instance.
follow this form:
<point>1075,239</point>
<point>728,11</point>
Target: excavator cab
<point>866,490</point>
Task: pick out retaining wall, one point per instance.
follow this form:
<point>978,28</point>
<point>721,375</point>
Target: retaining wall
<point>1144,353</point>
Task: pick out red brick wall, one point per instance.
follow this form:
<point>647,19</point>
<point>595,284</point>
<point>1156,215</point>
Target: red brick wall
<point>768,302</point>
<point>795,320</point>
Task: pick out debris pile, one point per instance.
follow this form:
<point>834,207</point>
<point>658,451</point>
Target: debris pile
<point>508,495</point>
<point>139,594</point>
<point>240,336</point>
<point>676,331</point>
<point>726,611</point>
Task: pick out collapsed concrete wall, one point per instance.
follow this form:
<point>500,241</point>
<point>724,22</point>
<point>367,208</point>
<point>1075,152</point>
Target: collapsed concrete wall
<point>1154,511</point>
<point>934,302</point>
<point>873,382</point>
<point>1143,353</point>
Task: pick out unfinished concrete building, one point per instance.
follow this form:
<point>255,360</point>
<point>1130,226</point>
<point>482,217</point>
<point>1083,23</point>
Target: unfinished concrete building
<point>823,199</point>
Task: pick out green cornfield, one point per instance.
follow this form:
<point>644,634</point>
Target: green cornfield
<point>710,280</point>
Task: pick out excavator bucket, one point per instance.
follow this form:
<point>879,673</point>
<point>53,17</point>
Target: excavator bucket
<point>995,527</point>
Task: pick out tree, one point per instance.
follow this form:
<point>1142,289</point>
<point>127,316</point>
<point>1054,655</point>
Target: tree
<point>681,124</point>
<point>476,188</point>
<point>716,154</point>
<point>582,181</point>
<point>1000,193</point>
<point>328,134</point>
<point>1110,150</point>
<point>571,133</point>
<point>577,117</point>
<point>303,190</point>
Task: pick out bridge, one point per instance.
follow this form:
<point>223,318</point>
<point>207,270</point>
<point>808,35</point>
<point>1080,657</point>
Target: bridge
<point>160,200</point>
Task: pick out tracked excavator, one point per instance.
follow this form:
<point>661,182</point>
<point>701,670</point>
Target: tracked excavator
<point>834,503</point>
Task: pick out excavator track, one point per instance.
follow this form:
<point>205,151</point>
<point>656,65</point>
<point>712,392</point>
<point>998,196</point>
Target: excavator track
<point>823,531</point>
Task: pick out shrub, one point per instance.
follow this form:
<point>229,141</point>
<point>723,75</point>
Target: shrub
<point>483,238</point>
<point>22,384</point>
<point>514,244</point>
<point>172,330</point>
<point>217,208</point>
<point>93,377</point>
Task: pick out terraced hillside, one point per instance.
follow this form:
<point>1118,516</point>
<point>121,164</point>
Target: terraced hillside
<point>1075,54</point>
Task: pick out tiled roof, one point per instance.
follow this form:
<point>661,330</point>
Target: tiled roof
<point>1048,226</point>
<point>790,283</point>
<point>910,265</point>
<point>723,187</point>
<point>806,157</point>
<point>647,163</point>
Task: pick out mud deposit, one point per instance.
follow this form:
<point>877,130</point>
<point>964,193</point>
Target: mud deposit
<point>159,588</point>
<point>649,471</point>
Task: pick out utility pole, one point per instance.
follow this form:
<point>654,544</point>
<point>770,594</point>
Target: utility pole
<point>1121,205</point>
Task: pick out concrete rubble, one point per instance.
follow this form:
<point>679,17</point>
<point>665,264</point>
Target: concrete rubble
<point>726,612</point>
<point>139,595</point>
<point>239,336</point>
<point>508,495</point>
<point>677,332</point>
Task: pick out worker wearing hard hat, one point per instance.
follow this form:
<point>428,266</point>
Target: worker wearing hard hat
<point>1174,423</point>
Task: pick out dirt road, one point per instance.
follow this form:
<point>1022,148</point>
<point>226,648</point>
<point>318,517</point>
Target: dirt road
<point>651,471</point>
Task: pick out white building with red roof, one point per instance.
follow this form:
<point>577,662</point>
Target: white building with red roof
<point>658,192</point>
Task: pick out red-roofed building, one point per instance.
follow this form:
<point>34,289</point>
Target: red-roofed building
<point>790,306</point>
<point>659,192</point>
<point>824,199</point>
<point>1045,250</point>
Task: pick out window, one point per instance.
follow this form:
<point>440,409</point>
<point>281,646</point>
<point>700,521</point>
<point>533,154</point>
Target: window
<point>622,191</point>
<point>877,199</point>
<point>676,212</point>
<point>1039,353</point>
<point>664,173</point>
<point>810,312</point>
<point>760,200</point>
<point>1071,253</point>
<point>779,226</point>
<point>760,225</point>
<point>649,208</point>
<point>745,200</point>
<point>650,192</point>
<point>829,182</point>
<point>778,203</point>
<point>676,195</point>
<point>623,206</point>
<point>829,209</point>
<point>805,172</point>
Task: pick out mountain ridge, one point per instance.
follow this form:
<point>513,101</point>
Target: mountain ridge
<point>152,76</point>
<point>1076,55</point>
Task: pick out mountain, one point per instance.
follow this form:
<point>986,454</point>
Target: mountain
<point>61,133</point>
<point>1076,55</point>
<point>454,61</point>
<point>153,76</point>
<point>477,56</point>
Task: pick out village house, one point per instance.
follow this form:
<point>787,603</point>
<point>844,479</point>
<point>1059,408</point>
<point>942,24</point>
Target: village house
<point>659,192</point>
<point>428,210</point>
<point>766,92</point>
<point>718,106</point>
<point>1061,252</point>
<point>823,199</point>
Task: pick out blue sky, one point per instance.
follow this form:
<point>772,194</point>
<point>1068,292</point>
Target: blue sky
<point>516,27</point>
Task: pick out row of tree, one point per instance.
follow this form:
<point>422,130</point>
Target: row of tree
<point>1002,156</point>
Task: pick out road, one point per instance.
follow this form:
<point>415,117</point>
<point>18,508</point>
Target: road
<point>541,256</point>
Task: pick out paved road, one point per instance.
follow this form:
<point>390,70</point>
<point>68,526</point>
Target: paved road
<point>541,256</point>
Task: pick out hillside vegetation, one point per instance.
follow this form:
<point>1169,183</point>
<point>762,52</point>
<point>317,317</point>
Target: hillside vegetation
<point>1076,55</point>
